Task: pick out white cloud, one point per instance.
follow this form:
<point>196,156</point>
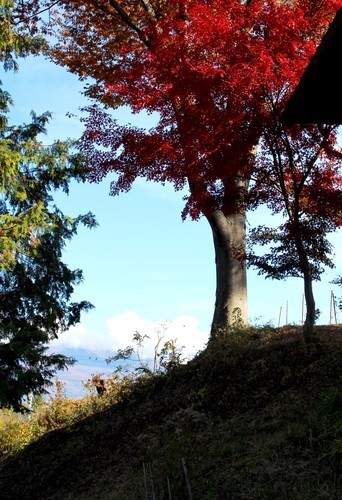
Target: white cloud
<point>121,328</point>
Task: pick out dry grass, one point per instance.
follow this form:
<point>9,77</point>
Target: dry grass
<point>256,415</point>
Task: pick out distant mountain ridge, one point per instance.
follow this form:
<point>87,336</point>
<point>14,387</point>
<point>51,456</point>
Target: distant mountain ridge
<point>88,363</point>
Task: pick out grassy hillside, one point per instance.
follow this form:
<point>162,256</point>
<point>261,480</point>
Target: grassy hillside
<point>255,416</point>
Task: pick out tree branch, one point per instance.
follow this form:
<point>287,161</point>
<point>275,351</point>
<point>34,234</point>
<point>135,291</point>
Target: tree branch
<point>37,14</point>
<point>148,7</point>
<point>126,19</point>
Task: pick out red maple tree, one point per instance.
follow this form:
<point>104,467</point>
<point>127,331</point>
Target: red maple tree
<point>298,173</point>
<point>206,68</point>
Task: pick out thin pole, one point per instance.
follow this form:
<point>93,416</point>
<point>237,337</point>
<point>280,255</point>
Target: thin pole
<point>169,487</point>
<point>281,307</point>
<point>334,302</point>
<point>287,312</point>
<point>187,480</point>
<point>145,481</point>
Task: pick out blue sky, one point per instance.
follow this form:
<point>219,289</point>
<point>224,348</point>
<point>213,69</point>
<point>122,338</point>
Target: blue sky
<point>143,265</point>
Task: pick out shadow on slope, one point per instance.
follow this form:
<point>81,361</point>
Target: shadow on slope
<point>255,415</point>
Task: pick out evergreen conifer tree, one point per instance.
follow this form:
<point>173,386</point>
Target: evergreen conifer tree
<point>36,286</point>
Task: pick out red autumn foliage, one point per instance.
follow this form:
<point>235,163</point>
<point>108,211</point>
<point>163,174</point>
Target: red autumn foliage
<point>205,67</point>
<point>211,72</point>
<point>298,174</point>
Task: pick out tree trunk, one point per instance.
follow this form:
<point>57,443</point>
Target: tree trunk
<point>310,318</point>
<point>229,233</point>
<point>308,333</point>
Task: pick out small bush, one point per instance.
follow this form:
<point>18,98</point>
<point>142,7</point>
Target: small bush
<point>17,430</point>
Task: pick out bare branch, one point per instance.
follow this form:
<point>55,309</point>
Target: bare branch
<point>38,13</point>
<point>126,19</point>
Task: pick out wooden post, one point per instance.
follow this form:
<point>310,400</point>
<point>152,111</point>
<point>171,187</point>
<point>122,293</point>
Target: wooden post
<point>169,487</point>
<point>287,312</point>
<point>187,480</point>
<point>334,306</point>
<point>145,481</point>
<point>281,307</point>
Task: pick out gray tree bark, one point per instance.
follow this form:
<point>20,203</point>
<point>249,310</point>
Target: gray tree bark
<point>308,331</point>
<point>229,234</point>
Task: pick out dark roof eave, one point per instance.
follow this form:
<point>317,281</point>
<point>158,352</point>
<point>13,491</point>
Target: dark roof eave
<point>317,98</point>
